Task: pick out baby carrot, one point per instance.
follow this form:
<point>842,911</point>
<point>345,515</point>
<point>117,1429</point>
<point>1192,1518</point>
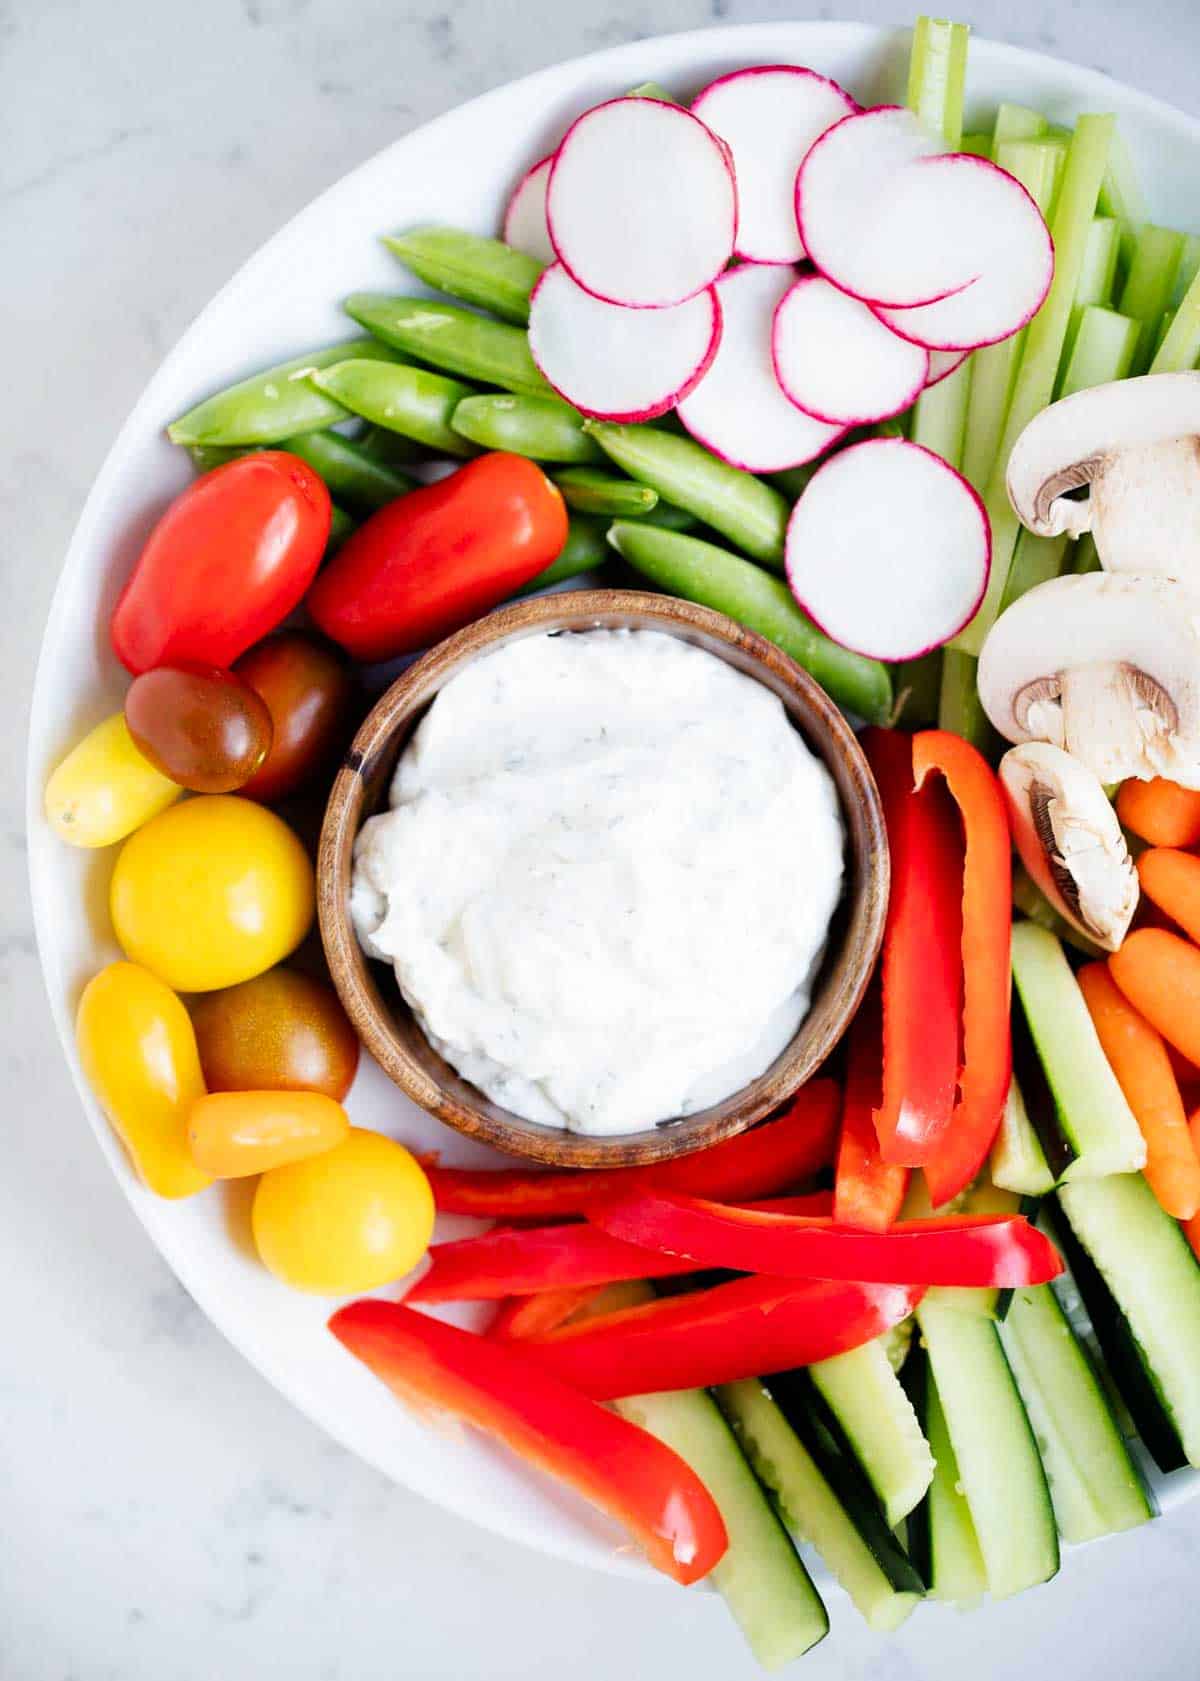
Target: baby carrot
<point>1161,812</point>
<point>1171,880</point>
<point>1139,1059</point>
<point>1159,973</point>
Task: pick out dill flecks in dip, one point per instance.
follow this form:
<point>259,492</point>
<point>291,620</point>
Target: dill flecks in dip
<point>606,878</point>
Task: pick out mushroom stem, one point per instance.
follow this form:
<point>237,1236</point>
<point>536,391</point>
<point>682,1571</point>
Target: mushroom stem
<point>1106,722</point>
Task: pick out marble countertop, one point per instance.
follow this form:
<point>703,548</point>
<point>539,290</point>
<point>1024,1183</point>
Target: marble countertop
<point>163,1513</point>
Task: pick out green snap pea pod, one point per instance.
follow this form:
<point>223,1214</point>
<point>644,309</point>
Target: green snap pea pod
<point>753,515</point>
<point>274,404</point>
<point>450,338</point>
<point>341,526</point>
<point>585,550</point>
<point>792,482</point>
<point>592,491</point>
<point>701,572</point>
<point>671,518</point>
<point>362,482</point>
<point>411,401</point>
<point>480,271</point>
<point>377,443</point>
<point>543,428</point>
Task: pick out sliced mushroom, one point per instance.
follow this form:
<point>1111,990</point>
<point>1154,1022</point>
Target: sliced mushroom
<point>1135,445</point>
<point>1106,666</point>
<point>1070,840</point>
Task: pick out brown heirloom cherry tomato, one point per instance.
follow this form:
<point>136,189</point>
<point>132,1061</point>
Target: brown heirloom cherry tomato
<point>282,1031</point>
<point>307,690</point>
<point>205,728</point>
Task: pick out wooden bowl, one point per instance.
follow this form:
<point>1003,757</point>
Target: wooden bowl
<point>368,989</point>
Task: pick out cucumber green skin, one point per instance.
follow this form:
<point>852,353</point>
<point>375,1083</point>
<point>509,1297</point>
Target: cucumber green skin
<point>541,428</point>
<point>274,404</point>
<point>701,572</point>
<point>1094,1484</point>
<point>585,550</point>
<point>751,514</point>
<point>480,271</point>
<point>1147,1266</point>
<point>591,491</point>
<point>761,1577</point>
<point>449,338</point>
<point>407,400</point>
<point>813,1511</point>
<point>861,1401</point>
<point>999,1467</point>
<point>941,1535</point>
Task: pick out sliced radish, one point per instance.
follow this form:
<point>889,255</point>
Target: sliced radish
<point>642,205</point>
<point>942,364</point>
<point>769,117</point>
<point>617,363</point>
<point>837,361</point>
<point>868,220</point>
<point>738,410</point>
<point>888,549</point>
<point>1015,252</point>
<point>525,226</point>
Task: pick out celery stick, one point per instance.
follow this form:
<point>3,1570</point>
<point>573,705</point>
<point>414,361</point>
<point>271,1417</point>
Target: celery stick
<point>1189,268</point>
<point>1034,562</point>
<point>1017,122</point>
<point>1086,160</point>
<point>1085,558</point>
<point>917,683</point>
<point>937,75</point>
<point>993,370</point>
<point>940,416</point>
<point>978,145</point>
<point>1180,348</point>
<point>959,706</point>
<point>1029,899</point>
<point>1150,285</point>
<point>1097,278</point>
<point>1164,327</point>
<point>1121,196</point>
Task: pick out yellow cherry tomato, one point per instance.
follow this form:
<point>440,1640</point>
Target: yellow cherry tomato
<point>211,892</point>
<point>105,788</point>
<point>236,1133</point>
<point>357,1217</point>
<point>139,1055</point>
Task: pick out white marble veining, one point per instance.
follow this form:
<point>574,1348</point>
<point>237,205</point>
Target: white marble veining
<point>163,1513</point>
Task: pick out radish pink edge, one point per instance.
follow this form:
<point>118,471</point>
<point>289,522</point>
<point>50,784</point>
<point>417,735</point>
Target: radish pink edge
<point>909,398</point>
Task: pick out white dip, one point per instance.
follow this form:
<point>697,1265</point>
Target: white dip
<point>606,878</point>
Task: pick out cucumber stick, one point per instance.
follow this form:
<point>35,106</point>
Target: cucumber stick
<point>761,1577</point>
<point>942,1536</point>
<point>855,1543</point>
<point>1144,1259</point>
<point>1018,1162</point>
<point>1099,1131</point>
<point>998,1463</point>
<point>876,1421</point>
<point>1094,1485</point>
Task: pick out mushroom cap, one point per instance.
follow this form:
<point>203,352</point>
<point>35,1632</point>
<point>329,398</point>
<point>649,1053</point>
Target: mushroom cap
<point>1070,840</point>
<point>1098,659</point>
<point>1068,445</point>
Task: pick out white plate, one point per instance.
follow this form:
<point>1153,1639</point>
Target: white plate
<point>285,300</point>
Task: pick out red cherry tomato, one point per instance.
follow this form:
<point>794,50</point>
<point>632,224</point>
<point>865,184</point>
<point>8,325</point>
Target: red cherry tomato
<point>307,690</point>
<point>432,561</point>
<point>205,728</point>
<point>225,564</point>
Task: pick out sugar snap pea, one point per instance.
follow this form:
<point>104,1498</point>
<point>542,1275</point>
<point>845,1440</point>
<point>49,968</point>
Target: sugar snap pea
<point>360,481</point>
<point>449,338</point>
<point>341,526</point>
<point>753,515</point>
<point>480,271</point>
<point>585,550</point>
<point>671,518</point>
<point>590,490</point>
<point>274,404</point>
<point>701,572</point>
<point>411,401</point>
<point>543,428</point>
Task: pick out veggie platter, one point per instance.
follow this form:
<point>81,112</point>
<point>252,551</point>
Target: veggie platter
<point>898,373</point>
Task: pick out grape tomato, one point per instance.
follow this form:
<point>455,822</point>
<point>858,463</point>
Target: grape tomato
<point>205,728</point>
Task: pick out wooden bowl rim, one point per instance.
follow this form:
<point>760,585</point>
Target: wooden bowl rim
<point>429,1081</point>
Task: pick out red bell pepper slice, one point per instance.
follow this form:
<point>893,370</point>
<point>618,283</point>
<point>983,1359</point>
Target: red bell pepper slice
<point>922,963</point>
<point>747,1328</point>
<point>768,1159</point>
<point>980,1251</point>
<point>868,1192</point>
<point>986,966</point>
<point>532,1316</point>
<point>618,1467</point>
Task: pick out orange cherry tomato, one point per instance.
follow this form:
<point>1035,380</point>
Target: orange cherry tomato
<point>307,690</point>
<point>433,560</point>
<point>203,727</point>
<point>225,564</point>
<point>233,1134</point>
<point>282,1031</point>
